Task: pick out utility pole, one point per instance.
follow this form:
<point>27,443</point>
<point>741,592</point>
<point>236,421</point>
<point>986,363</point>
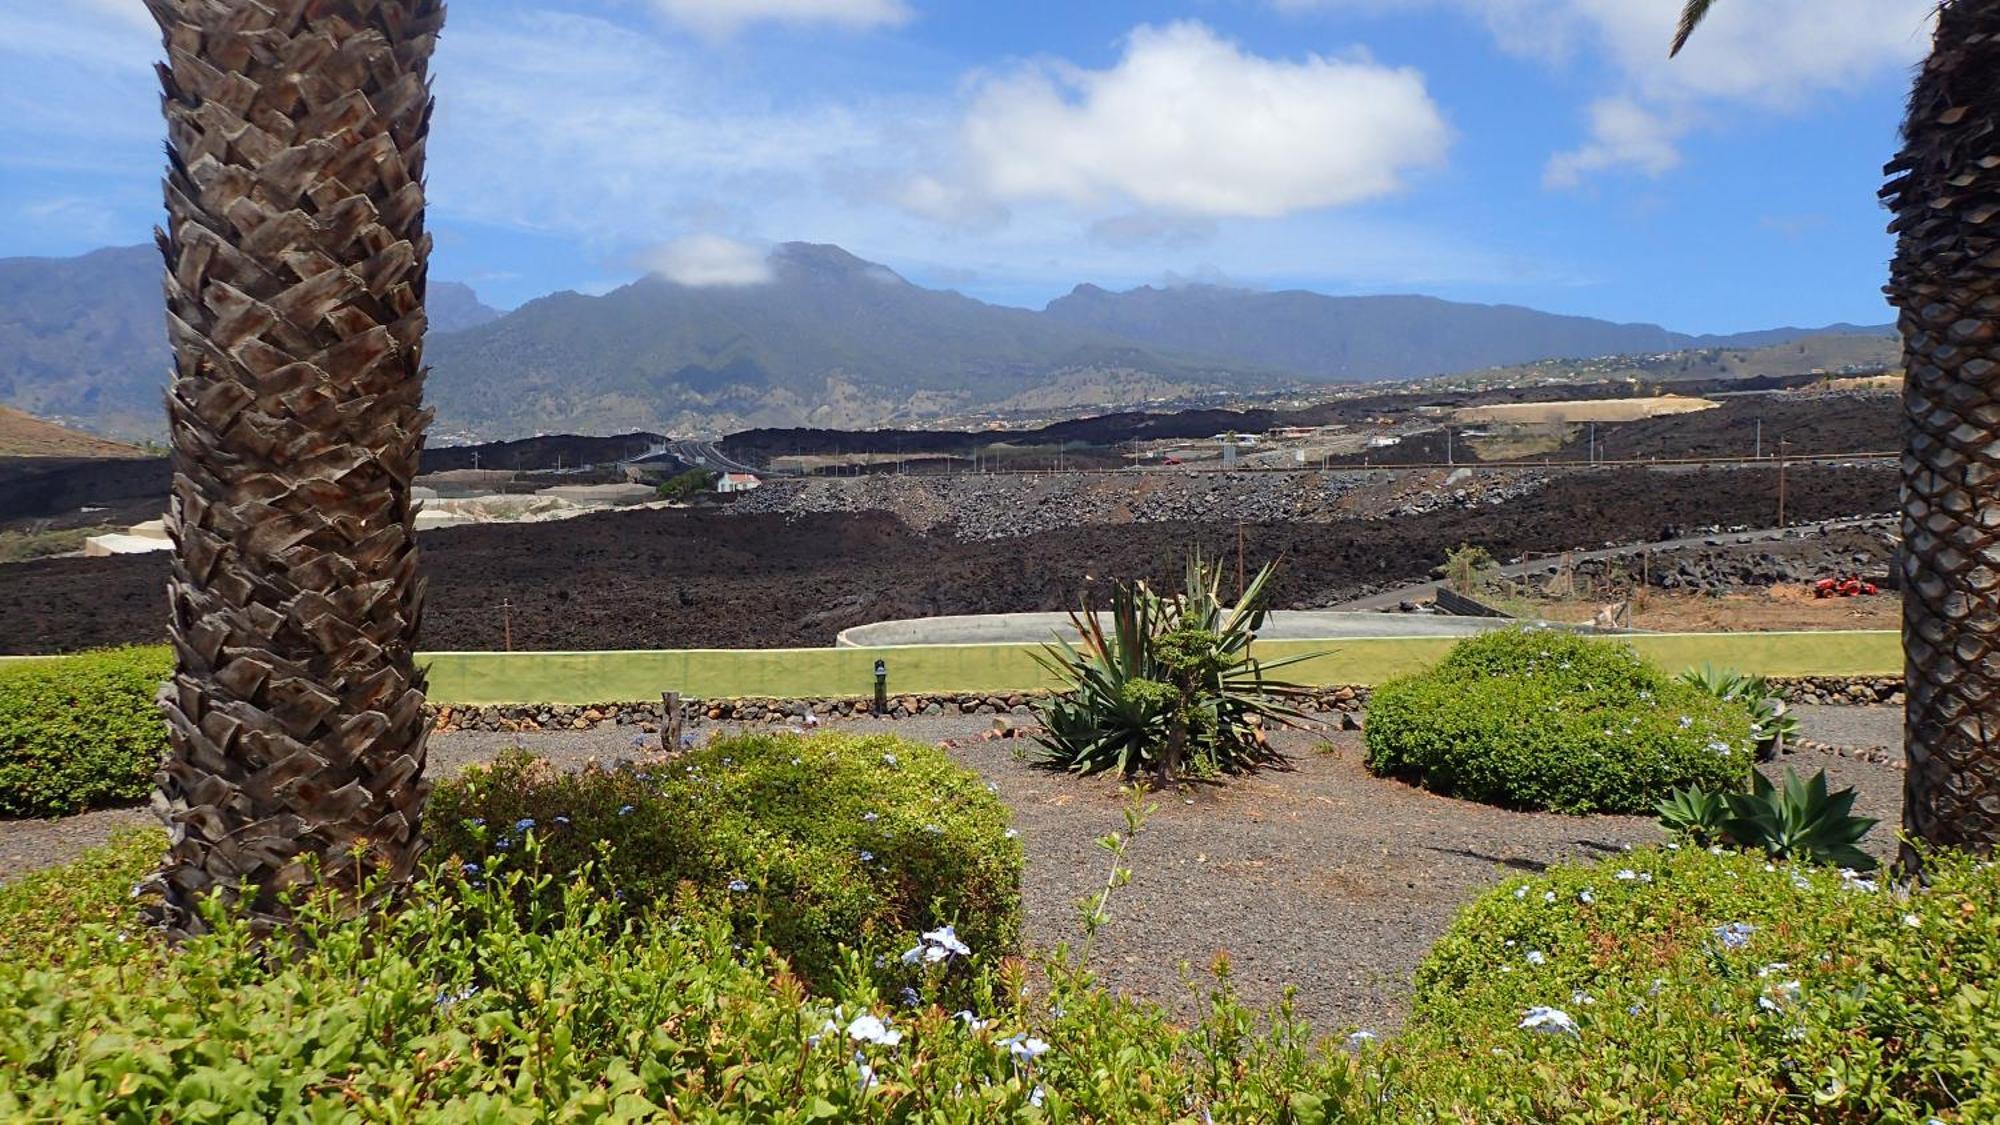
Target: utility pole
<point>1759,455</point>
<point>1781,483</point>
<point>1593,443</point>
<point>507,622</point>
<point>1447,447</point>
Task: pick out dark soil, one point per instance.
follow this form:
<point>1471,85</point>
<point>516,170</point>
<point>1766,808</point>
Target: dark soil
<point>709,579</point>
<point>1846,422</point>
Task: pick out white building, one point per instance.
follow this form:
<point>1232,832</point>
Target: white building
<point>737,482</point>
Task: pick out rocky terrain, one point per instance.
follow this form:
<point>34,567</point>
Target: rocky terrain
<point>1007,506</point>
<point>708,578</point>
<point>1867,553</point>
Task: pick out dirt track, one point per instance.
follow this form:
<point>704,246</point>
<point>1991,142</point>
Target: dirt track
<point>661,579</point>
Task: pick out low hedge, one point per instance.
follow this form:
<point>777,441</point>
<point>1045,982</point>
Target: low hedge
<point>1690,986</point>
<point>1538,719</point>
<point>827,840</point>
<point>81,732</point>
<point>1716,988</point>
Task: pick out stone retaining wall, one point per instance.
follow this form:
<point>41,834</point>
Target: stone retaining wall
<point>782,712</point>
<point>1347,702</point>
<point>1853,690</point>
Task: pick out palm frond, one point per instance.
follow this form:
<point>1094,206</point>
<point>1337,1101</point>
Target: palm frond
<point>1691,17</point>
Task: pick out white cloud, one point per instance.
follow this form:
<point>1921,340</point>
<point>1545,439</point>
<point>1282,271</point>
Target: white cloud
<point>1774,56</point>
<point>705,260</point>
<point>1623,134</point>
<point>1189,123</point>
<point>726,17</point>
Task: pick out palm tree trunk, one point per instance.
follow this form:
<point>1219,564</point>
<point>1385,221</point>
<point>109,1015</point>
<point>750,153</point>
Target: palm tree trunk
<point>296,261</point>
<point>1945,192</point>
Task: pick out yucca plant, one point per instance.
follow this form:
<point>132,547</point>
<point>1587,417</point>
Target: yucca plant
<point>1171,687</point>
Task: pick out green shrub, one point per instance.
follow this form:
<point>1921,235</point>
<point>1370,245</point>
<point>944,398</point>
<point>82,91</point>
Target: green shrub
<point>457,1008</point>
<point>828,839</point>
<point>688,483</point>
<point>1699,988</point>
<point>78,732</point>
<point>1711,987</point>
<point>1539,719</point>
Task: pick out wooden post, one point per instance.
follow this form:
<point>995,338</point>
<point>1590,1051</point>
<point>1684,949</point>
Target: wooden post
<point>507,622</point>
<point>670,721</point>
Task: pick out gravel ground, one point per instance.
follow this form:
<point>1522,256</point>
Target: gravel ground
<point>1854,728</point>
<point>1319,877</point>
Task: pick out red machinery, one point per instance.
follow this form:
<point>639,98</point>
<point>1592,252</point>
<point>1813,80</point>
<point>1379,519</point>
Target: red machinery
<point>1843,588</point>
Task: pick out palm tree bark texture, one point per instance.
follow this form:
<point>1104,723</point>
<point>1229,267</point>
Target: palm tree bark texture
<point>1945,283</point>
<point>296,262</point>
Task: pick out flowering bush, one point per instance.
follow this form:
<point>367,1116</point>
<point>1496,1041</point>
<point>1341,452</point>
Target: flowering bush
<point>1538,719</point>
<point>81,731</point>
<point>1658,986</point>
<point>1693,986</point>
<point>804,843</point>
<point>455,1008</point>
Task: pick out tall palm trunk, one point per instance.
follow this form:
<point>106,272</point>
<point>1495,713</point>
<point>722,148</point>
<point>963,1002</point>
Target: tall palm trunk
<point>1945,281</point>
<point>296,259</point>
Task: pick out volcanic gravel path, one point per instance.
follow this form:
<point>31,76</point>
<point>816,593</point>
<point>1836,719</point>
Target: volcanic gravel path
<point>1319,877</point>
<point>708,579</point>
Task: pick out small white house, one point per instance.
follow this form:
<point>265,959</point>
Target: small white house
<point>737,482</point>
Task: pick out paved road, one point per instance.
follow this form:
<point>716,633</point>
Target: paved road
<point>1426,591</point>
<point>707,456</point>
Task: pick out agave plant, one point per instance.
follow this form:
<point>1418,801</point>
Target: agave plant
<point>1171,687</point>
<point>1772,723</point>
<point>1801,820</point>
<point>1695,814</point>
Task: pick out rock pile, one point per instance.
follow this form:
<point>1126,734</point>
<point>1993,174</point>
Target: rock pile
<point>1725,568</point>
<point>1002,506</point>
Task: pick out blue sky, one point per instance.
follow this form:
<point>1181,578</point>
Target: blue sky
<point>1538,152</point>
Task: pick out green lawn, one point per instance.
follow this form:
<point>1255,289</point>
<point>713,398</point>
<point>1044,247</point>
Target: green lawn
<point>595,677</point>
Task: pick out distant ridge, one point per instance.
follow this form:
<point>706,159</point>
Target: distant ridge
<point>1343,338</point>
<point>829,340</point>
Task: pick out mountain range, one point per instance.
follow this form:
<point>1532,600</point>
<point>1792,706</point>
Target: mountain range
<point>828,340</point>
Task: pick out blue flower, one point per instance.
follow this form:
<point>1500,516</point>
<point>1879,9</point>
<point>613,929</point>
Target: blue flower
<point>738,886</point>
<point>869,818</point>
<point>910,997</point>
<point>523,824</point>
<point>1024,1048</point>
<point>478,822</point>
<point>624,810</point>
<point>1735,935</point>
<point>872,1029</point>
<point>1548,1021</point>
<point>562,821</point>
<point>867,856</point>
<point>470,869</point>
<point>502,844</point>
